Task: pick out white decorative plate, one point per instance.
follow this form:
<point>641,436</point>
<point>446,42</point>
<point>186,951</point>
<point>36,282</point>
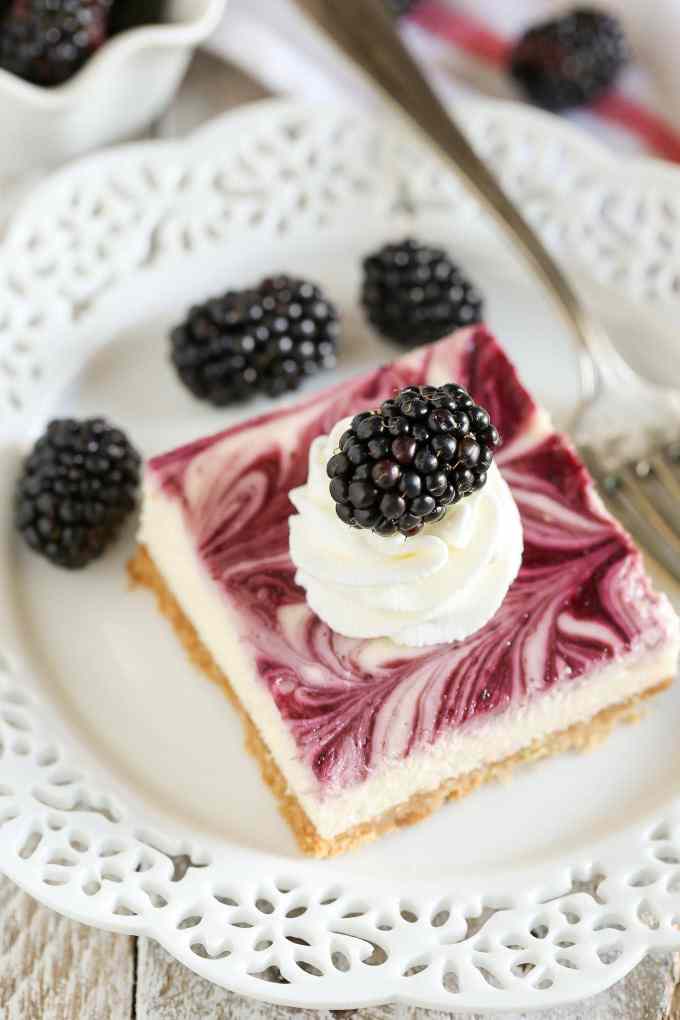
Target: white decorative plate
<point>126,798</point>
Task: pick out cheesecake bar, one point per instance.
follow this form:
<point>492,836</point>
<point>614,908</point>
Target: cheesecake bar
<point>358,736</point>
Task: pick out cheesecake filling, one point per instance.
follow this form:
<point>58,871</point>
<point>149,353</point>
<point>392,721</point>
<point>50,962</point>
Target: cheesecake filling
<point>393,778</point>
<point>441,585</point>
<point>357,725</point>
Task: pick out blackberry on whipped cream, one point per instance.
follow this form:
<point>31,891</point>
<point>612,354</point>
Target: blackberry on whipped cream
<point>400,467</point>
<point>435,538</point>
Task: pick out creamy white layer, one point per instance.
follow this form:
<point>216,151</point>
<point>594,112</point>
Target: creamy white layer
<point>170,545</point>
<point>439,586</point>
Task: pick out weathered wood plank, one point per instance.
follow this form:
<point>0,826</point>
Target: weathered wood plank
<point>168,991</point>
<point>54,969</point>
<point>675,998</point>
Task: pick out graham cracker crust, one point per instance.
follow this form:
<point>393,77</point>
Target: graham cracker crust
<point>580,737</point>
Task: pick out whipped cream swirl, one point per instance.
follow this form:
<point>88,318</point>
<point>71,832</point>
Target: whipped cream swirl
<point>438,586</point>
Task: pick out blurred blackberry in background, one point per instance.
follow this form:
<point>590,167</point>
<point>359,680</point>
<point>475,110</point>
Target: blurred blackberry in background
<point>262,340</point>
<point>46,41</point>
<point>414,293</point>
<point>569,61</point>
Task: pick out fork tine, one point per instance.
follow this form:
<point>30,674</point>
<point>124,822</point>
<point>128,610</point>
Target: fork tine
<point>664,472</point>
<point>647,494</point>
<point>638,515</point>
<point>669,460</point>
<point>651,540</point>
<point>664,488</point>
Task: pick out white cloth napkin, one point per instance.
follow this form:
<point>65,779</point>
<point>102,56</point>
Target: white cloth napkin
<point>273,42</point>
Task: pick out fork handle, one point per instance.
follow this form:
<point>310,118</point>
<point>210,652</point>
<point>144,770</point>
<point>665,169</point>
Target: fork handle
<point>365,31</point>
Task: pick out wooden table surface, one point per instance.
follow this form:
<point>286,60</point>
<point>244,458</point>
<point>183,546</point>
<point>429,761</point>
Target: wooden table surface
<point>55,969</point>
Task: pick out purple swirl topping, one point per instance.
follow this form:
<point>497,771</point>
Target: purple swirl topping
<point>581,599</point>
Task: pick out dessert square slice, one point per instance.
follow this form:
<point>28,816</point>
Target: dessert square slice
<point>359,736</point>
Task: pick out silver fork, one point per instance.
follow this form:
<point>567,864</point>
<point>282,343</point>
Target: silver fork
<point>637,469</point>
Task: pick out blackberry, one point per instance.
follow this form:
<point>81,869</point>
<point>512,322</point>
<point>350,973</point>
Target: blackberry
<point>47,41</point>
<point>263,340</point>
<point>400,467</point>
<point>569,61</point>
<point>77,485</point>
<point>413,293</point>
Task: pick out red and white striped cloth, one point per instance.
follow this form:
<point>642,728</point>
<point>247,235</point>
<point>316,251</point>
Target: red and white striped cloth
<point>463,45</point>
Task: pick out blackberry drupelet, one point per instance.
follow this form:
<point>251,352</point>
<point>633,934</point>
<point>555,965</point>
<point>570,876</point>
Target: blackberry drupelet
<point>47,41</point>
<point>400,467</point>
<point>264,340</point>
<point>413,293</point>
<point>569,61</point>
<point>77,486</point>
